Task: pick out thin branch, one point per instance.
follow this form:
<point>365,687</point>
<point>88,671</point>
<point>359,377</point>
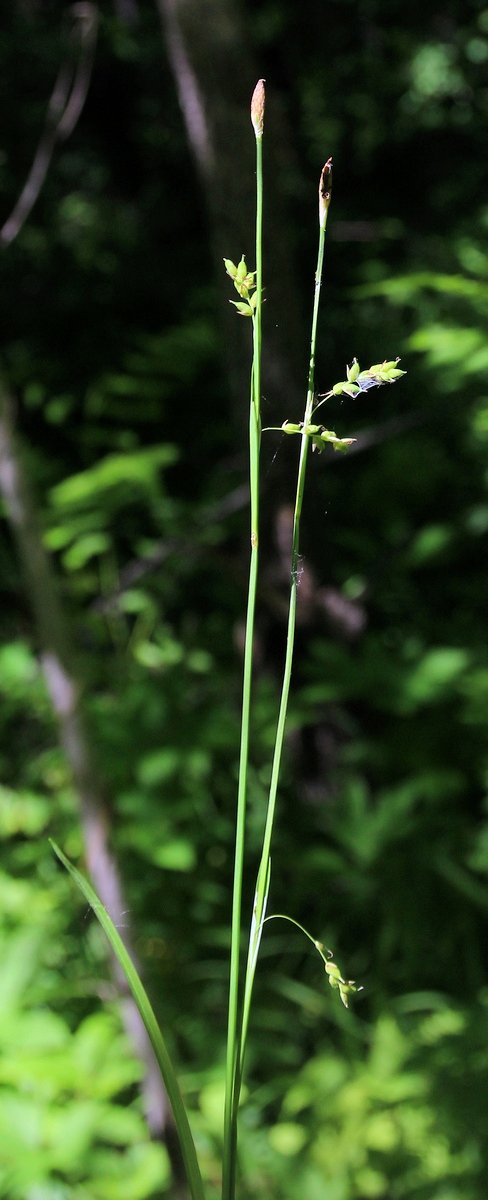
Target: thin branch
<point>65,692</point>
<point>137,568</point>
<point>190,95</point>
<point>63,112</point>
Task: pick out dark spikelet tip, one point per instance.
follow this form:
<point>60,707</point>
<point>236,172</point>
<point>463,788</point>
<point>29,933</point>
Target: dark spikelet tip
<point>257,107</point>
<point>326,178</point>
<point>325,192</point>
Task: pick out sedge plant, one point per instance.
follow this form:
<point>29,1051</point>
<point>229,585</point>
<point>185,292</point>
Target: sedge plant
<point>249,286</point>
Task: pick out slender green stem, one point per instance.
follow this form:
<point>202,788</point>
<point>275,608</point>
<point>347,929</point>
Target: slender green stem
<point>284,917</point>
<point>233,1039</point>
<point>264,868</point>
<point>259,280</point>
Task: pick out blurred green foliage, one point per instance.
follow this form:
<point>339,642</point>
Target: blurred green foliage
<point>111,345</point>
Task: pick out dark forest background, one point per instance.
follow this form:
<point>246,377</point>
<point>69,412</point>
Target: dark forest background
<point>123,473</point>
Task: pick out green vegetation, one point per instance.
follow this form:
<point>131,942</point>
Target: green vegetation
<point>132,434</point>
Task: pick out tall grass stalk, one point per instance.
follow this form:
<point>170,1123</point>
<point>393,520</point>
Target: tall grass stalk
<point>263,877</point>
<point>233,1037</point>
<point>250,289</point>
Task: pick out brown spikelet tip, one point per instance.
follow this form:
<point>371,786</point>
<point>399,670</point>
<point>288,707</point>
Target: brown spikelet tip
<point>257,107</point>
<point>325,191</point>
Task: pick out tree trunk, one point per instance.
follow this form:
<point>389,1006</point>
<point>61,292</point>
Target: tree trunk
<point>66,696</point>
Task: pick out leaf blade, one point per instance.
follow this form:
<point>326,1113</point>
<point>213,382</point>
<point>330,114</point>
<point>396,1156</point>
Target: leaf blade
<point>148,1016</point>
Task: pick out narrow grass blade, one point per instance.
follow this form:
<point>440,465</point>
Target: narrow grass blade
<point>148,1016</point>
